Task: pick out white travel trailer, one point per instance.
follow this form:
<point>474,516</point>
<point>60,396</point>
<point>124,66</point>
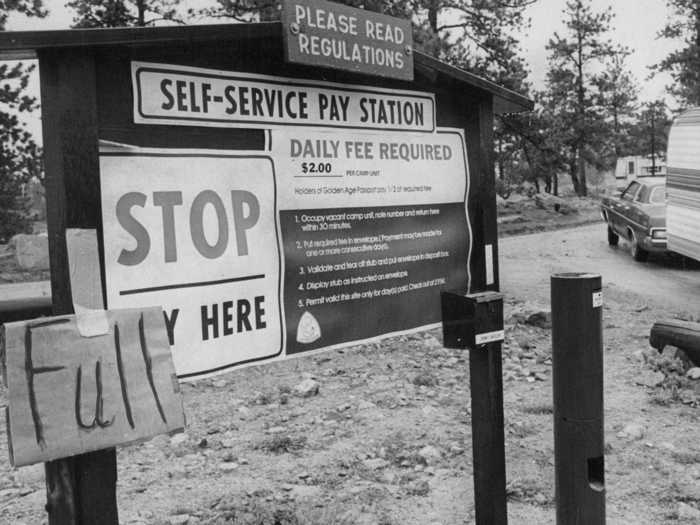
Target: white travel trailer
<point>683,185</point>
<point>629,168</point>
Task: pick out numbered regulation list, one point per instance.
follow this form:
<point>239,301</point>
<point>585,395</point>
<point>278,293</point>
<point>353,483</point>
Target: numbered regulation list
<point>353,273</point>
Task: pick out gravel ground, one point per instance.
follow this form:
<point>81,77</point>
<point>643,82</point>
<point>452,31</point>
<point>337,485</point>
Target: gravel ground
<point>381,434</point>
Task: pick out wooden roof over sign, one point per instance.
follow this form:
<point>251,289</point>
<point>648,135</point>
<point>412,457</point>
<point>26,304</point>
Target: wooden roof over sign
<point>25,44</point>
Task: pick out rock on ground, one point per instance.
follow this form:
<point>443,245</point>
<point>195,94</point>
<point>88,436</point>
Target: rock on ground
<point>307,388</point>
<point>31,251</point>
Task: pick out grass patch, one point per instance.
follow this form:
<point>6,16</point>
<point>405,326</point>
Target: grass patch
<point>527,490</point>
<point>539,409</point>
<point>522,429</point>
<point>686,458</point>
<point>425,379</point>
<point>282,443</point>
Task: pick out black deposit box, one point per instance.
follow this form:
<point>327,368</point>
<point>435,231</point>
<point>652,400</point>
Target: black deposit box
<point>471,320</point>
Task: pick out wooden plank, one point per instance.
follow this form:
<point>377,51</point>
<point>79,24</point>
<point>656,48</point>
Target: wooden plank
<point>81,489</point>
<point>23,296</point>
<point>390,38</point>
<point>485,365</point>
<point>70,394</point>
<point>26,43</point>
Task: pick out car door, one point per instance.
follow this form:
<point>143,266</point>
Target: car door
<point>638,211</point>
<point>623,207</point>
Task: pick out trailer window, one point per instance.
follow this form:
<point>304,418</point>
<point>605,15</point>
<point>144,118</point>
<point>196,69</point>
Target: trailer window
<point>630,167</point>
<point>658,195</point>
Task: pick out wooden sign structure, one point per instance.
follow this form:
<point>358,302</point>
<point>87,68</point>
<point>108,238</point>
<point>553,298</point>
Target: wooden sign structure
<point>90,119</point>
<point>70,394</point>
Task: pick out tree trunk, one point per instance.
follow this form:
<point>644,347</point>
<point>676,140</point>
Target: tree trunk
<point>499,158</point>
<point>141,6</point>
<point>433,9</point>
<point>583,189</point>
<point>555,186</point>
<point>580,184</point>
<point>573,172</point>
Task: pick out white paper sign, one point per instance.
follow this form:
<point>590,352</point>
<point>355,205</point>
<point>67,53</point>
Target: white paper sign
<point>489,337</point>
<point>597,299</point>
<point>187,96</point>
<point>196,234</point>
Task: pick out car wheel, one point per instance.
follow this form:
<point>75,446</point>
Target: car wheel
<point>613,238</point>
<point>638,253</point>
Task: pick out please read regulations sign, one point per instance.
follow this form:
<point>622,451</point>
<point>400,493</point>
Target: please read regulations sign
<point>327,34</point>
<point>343,227</point>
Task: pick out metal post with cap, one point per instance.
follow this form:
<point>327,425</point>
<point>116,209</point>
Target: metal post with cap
<point>577,380</point>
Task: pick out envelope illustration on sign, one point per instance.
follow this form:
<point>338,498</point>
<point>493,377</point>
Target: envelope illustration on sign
<point>308,329</point>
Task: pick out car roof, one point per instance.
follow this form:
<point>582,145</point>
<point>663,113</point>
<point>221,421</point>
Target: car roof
<point>651,181</point>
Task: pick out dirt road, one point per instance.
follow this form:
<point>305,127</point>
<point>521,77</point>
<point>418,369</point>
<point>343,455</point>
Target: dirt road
<point>528,261</point>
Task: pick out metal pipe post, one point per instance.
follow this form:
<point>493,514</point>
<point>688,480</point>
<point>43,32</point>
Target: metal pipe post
<point>577,370</point>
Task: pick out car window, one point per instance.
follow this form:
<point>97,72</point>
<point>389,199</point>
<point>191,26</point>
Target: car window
<point>658,195</point>
<point>631,191</point>
<point>643,195</point>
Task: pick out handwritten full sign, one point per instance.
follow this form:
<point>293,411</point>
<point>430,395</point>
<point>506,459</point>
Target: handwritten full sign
<point>70,394</point>
<point>319,33</point>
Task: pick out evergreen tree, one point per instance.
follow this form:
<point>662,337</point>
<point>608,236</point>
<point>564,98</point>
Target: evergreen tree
<point>617,94</point>
<point>570,98</point>
<point>649,133</point>
<point>20,157</point>
<point>122,13</point>
<point>683,65</point>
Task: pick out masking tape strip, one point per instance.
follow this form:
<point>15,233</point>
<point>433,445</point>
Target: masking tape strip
<point>91,323</point>
<point>85,282</point>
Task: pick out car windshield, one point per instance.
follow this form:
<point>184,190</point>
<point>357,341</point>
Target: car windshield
<point>658,195</point>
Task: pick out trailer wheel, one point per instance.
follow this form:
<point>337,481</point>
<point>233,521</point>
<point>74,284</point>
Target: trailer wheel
<point>613,238</point>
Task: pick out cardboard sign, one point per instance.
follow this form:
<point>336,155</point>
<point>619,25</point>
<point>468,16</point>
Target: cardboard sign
<point>70,394</point>
<point>328,34</point>
<point>269,254</point>
<point>189,96</point>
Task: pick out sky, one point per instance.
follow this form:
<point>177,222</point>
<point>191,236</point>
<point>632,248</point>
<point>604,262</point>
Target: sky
<point>636,24</point>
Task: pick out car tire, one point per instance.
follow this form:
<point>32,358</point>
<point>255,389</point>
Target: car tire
<point>613,238</point>
<point>638,253</point>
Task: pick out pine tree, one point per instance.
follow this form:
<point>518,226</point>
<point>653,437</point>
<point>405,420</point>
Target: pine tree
<point>20,156</point>
<point>617,94</point>
<point>648,135</point>
<point>123,13</point>
<point>683,64</point>
<point>570,97</point>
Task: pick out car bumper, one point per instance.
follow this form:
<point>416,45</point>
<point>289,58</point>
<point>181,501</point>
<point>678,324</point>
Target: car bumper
<point>653,245</point>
